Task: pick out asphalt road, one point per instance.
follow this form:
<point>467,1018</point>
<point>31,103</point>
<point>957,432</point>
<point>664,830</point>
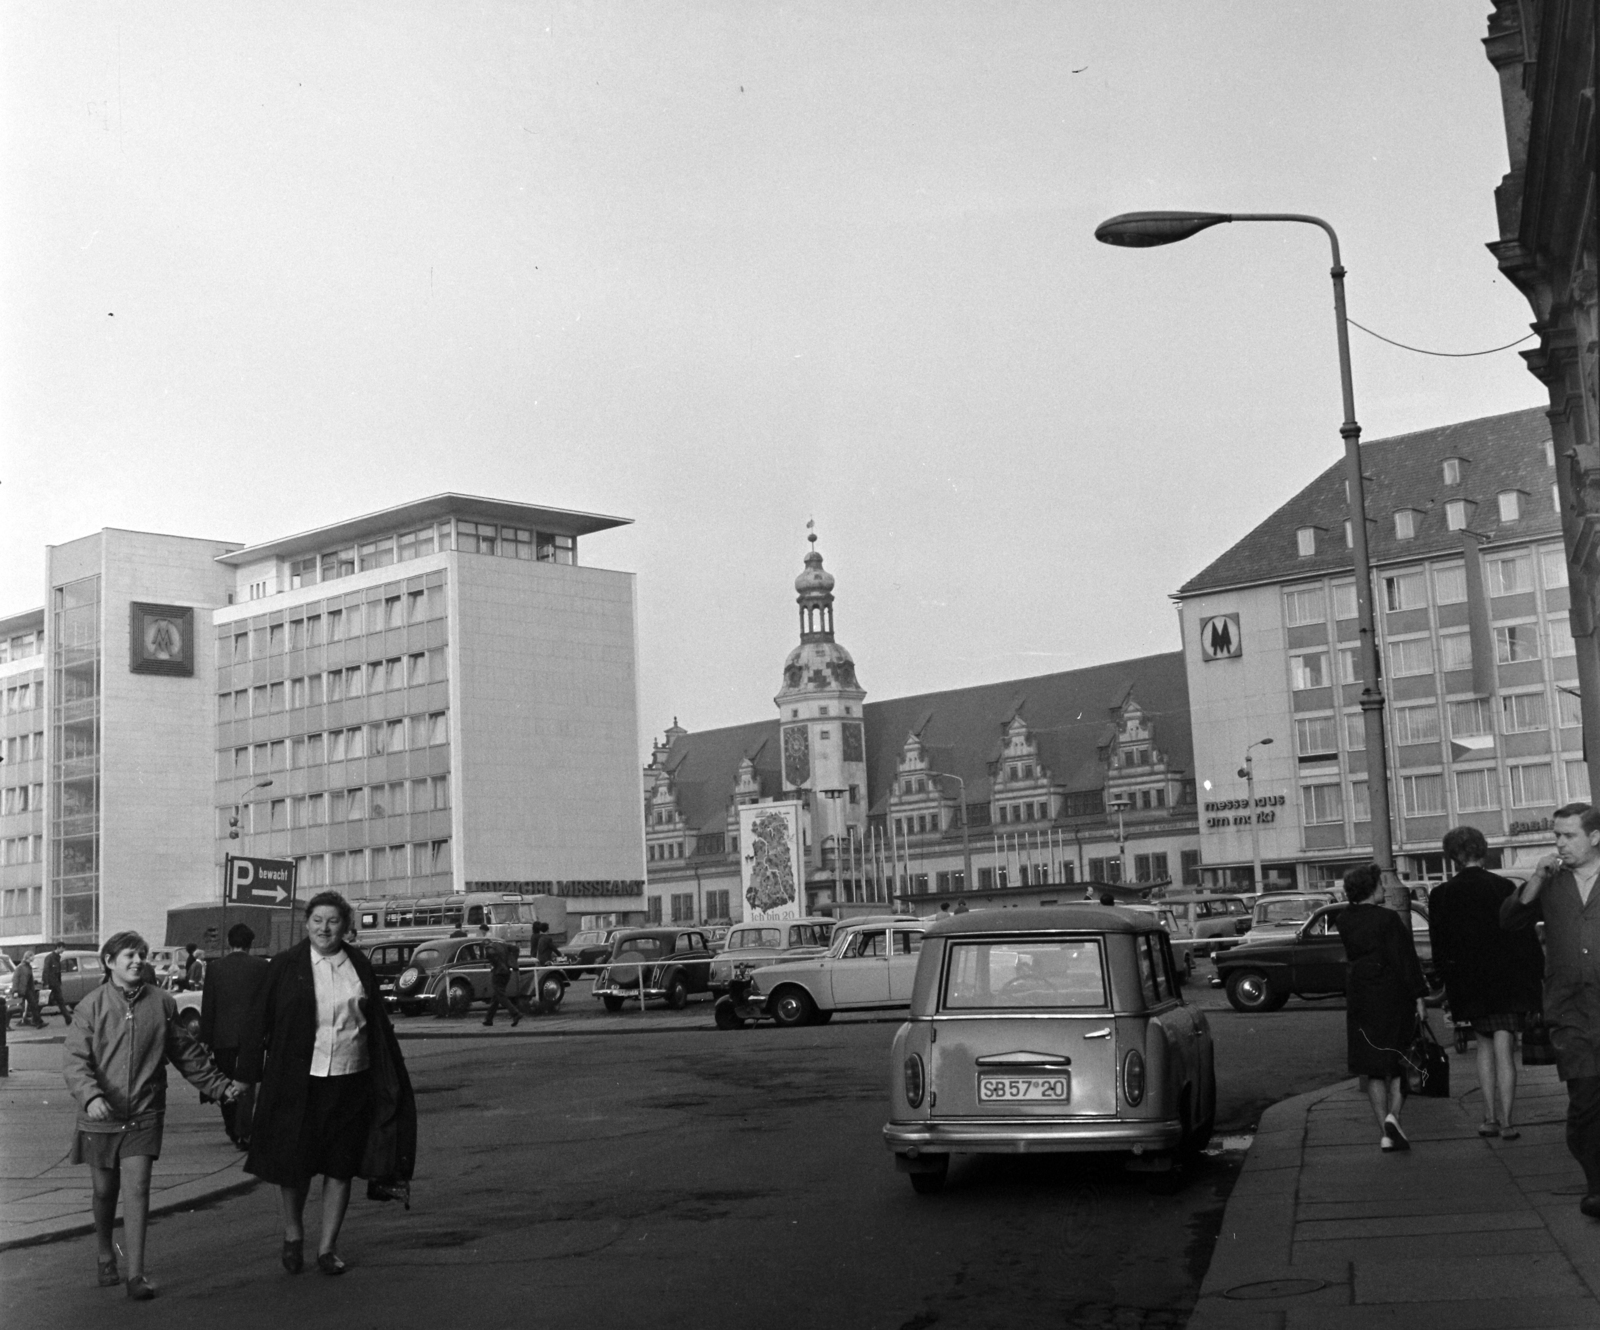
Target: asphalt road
<point>704,1179</point>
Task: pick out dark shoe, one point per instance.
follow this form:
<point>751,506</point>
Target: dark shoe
<point>330,1263</point>
<point>140,1289</point>
<point>1392,1132</point>
<point>514,1021</point>
<point>1590,1205</point>
<point>1489,1128</point>
<point>488,1023</point>
<point>294,1260</point>
<point>1510,1134</point>
<point>108,1276</point>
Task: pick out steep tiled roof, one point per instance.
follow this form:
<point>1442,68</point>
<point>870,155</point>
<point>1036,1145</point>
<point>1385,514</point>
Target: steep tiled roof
<point>1500,453</point>
<point>1068,714</point>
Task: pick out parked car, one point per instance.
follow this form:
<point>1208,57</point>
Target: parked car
<point>1262,976</point>
<point>8,968</point>
<point>1048,1029</point>
<point>750,946</point>
<point>389,962</point>
<point>189,1010</point>
<point>673,963</point>
<point>869,965</point>
<point>452,973</point>
<point>1183,948</point>
<point>1211,923</point>
<point>1279,914</point>
<point>81,973</point>
<point>591,946</point>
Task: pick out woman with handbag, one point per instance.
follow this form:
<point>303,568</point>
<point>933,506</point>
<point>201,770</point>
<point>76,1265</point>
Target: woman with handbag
<point>1492,978</point>
<point>1384,999</point>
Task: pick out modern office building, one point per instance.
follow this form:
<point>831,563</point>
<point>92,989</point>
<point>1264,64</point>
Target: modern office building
<point>1471,602</point>
<point>430,699</point>
<point>1062,780</point>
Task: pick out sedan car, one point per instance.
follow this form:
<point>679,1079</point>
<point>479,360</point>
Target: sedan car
<point>589,947</point>
<point>389,961</point>
<point>1048,1029</point>
<point>1262,976</point>
<point>449,974</point>
<point>1279,914</point>
<point>671,963</point>
<point>750,946</point>
<point>1209,924</point>
<point>869,965</point>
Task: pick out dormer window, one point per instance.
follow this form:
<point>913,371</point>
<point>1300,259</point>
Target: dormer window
<point>1510,505</point>
<point>1405,524</point>
<point>1305,540</point>
<point>1452,471</point>
<point>1549,452</point>
<point>1455,514</point>
<point>1349,535</point>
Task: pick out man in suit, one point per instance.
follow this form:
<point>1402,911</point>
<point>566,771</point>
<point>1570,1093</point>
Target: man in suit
<point>26,988</point>
<point>231,985</point>
<point>1562,893</point>
<point>51,982</point>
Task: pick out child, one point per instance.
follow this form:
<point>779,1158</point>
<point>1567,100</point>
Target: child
<point>122,1036</point>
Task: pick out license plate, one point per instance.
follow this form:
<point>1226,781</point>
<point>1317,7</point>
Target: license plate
<point>998,1089</point>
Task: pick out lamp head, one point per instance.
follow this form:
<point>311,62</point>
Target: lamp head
<point>1141,230</point>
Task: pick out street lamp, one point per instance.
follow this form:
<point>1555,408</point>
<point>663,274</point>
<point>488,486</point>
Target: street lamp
<point>966,839</point>
<point>1248,771</point>
<point>833,797</point>
<point>1139,230</point>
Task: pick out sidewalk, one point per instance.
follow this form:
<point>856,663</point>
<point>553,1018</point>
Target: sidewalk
<point>42,1197</point>
<point>1324,1230</point>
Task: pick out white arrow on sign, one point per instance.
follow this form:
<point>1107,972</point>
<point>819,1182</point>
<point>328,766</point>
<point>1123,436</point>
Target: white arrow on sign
<point>271,895</point>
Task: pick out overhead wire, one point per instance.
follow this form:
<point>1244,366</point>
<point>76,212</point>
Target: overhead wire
<point>1450,355</point>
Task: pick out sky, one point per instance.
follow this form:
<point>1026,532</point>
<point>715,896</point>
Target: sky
<point>724,268</point>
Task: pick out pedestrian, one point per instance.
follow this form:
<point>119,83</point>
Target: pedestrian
<point>1561,893</point>
<point>225,1004</point>
<point>123,1034</point>
<point>502,959</point>
<point>1491,977</point>
<point>180,978</point>
<point>52,982</point>
<point>1384,998</point>
<point>1108,898</point>
<point>25,986</point>
<point>334,1099</point>
<point>195,975</point>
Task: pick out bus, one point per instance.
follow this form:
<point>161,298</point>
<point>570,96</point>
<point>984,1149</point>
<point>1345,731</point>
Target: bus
<point>508,916</point>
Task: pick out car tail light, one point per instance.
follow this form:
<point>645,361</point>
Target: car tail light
<point>1133,1078</point>
<point>916,1081</point>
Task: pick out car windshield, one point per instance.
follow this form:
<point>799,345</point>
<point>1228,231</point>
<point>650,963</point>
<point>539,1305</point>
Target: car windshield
<point>755,937</point>
<point>1284,912</point>
<point>645,946</point>
<point>1025,972</point>
<point>589,938</point>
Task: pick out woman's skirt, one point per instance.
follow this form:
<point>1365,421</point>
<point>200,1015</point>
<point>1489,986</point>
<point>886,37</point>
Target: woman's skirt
<point>1486,1026</point>
<point>1380,1020</point>
<point>333,1133</point>
<point>107,1149</point>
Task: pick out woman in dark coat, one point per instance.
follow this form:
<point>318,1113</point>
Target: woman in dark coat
<point>335,1099</point>
<point>1492,978</point>
<point>1384,993</point>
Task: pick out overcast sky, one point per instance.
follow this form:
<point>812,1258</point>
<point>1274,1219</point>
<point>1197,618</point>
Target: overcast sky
<point>724,267</point>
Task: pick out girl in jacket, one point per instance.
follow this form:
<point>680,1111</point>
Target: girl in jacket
<point>334,1098</point>
<point>121,1038</point>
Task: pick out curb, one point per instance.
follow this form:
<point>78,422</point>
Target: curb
<point>185,1196</point>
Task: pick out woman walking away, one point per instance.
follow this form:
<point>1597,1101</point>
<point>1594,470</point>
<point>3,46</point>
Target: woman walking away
<point>122,1036</point>
<point>334,1097</point>
<point>1384,992</point>
<point>1492,978</point>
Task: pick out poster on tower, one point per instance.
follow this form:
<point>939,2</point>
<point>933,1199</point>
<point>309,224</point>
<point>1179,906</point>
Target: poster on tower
<point>773,860</point>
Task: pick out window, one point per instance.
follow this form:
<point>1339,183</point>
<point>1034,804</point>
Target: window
<point>1344,600</point>
<point>1316,734</point>
<point>1517,642</point>
<point>1415,725</point>
<point>302,572</point>
<point>1455,515</point>
<point>316,750</point>
<point>314,690</point>
<point>353,681</point>
<point>1355,731</point>
<point>1189,866</point>
<point>258,759</point>
<point>441,856</point>
<point>1349,535</point>
<point>241,648</point>
<point>338,563</point>
<point>476,537</point>
<point>1531,785</point>
<point>1308,670</point>
<point>1510,575</point>
<point>1405,591</point>
<point>438,730</point>
<point>1321,803</point>
<point>1569,708</point>
<point>1413,656</point>
<point>335,625</point>
<point>1304,605</point>
<point>275,697</point>
<point>314,631</point>
<point>557,548</point>
<point>375,676</point>
<point>1524,711</point>
<point>1455,651</point>
<point>440,789</point>
<point>1347,664</point>
<point>393,612</point>
<point>1470,718</point>
<point>1577,781</point>
<point>1476,791</point>
<point>417,668</point>
<point>258,700</point>
<point>1561,643</point>
<point>1510,505</point>
<point>416,606</point>
<point>1405,524</point>
<point>1553,561</point>
<point>377,553</point>
<point>1452,471</point>
<point>1305,540</point>
<point>415,544</point>
<point>1360,805</point>
<point>1450,584</point>
<point>297,692</point>
<point>1424,795</point>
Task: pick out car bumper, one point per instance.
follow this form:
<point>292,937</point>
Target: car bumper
<point>631,991</point>
<point>1030,1136</point>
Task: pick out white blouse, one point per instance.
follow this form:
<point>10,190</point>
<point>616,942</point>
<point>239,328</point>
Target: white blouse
<point>341,1047</point>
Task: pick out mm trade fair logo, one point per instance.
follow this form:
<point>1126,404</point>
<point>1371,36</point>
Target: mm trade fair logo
<point>1219,638</point>
<point>161,639</point>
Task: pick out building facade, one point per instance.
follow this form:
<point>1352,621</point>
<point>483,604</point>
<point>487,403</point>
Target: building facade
<point>1045,786</point>
<point>22,774</point>
<point>431,699</point>
<point>1483,724</point>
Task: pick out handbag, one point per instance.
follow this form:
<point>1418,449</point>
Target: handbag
<point>1538,1049</point>
<point>1427,1065</point>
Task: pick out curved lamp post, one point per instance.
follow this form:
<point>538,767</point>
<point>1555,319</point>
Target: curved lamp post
<point>1248,771</point>
<point>1141,230</point>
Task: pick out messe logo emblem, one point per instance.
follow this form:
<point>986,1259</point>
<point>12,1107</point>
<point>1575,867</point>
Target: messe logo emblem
<point>1219,638</point>
<point>161,639</point>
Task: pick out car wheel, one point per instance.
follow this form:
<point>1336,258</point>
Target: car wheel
<point>791,1007</point>
<point>613,1003</point>
<point>551,991</point>
<point>677,993</point>
<point>1251,991</point>
<point>725,1016</point>
<point>931,1181</point>
<point>458,997</point>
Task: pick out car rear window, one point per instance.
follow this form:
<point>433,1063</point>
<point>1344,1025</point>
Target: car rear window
<point>1033,973</point>
<point>425,956</point>
<point>754,937</point>
<point>645,946</point>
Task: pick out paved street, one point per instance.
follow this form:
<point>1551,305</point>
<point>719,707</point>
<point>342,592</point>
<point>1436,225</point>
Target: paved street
<point>729,1178</point>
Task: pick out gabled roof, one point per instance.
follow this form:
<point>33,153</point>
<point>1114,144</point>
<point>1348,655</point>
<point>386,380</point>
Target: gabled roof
<point>1068,716</point>
<point>1500,453</point>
